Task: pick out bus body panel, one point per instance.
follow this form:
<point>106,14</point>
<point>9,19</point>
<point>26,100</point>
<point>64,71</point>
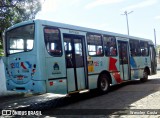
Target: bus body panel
<point>40,52</point>
<point>70,80</point>
<point>136,71</point>
<point>58,86</point>
<point>114,68</point>
<point>81,78</point>
<point>41,72</point>
<point>19,69</point>
<point>55,72</point>
<point>145,64</point>
<point>92,79</point>
<point>56,75</point>
<point>21,74</point>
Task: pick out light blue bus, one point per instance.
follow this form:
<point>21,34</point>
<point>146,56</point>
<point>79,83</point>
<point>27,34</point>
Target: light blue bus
<point>48,57</point>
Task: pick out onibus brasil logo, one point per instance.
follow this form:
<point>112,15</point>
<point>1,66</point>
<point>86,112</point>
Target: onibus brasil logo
<point>20,113</point>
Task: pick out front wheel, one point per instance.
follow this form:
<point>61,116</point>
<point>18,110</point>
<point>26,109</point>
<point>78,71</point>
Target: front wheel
<point>145,76</point>
<point>103,83</point>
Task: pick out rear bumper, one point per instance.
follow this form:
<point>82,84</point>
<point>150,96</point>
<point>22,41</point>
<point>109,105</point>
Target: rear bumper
<point>31,86</point>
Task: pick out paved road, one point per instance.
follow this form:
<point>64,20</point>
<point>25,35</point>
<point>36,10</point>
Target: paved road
<point>143,99</point>
<point>127,96</point>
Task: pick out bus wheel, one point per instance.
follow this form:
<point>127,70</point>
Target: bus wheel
<point>145,76</point>
<point>103,83</point>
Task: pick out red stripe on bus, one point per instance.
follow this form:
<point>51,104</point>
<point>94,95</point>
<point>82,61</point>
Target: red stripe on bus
<point>112,67</point>
<point>22,64</point>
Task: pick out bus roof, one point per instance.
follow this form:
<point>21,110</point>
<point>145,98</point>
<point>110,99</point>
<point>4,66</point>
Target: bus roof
<point>77,28</point>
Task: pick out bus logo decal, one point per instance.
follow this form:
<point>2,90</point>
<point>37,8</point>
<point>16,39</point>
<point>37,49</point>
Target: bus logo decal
<point>56,66</point>
<point>56,69</point>
<point>15,65</point>
<point>26,64</point>
<point>29,65</point>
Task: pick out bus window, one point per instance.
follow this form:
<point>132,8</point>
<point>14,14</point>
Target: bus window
<point>53,41</point>
<point>94,45</point>
<point>68,52</point>
<point>110,45</point>
<point>16,44</point>
<point>78,52</point>
<point>20,39</point>
<point>144,48</point>
<point>134,47</point>
<point>29,44</point>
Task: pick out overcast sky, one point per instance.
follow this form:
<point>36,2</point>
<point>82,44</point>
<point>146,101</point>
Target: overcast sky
<point>106,15</point>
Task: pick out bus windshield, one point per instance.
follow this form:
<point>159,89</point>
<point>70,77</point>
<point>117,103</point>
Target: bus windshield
<point>20,39</point>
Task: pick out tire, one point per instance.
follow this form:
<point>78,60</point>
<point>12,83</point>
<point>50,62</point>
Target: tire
<point>103,84</point>
<point>145,76</point>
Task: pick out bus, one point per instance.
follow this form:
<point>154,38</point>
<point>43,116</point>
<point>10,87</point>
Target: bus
<point>48,57</point>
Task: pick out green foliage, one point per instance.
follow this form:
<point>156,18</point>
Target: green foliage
<point>1,49</point>
<point>15,11</point>
<point>1,52</point>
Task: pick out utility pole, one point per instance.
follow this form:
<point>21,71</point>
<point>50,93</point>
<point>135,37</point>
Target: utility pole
<point>126,13</point>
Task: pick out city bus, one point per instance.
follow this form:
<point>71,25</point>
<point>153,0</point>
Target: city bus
<point>48,57</point>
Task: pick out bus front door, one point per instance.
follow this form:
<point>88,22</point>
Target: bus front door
<point>124,60</point>
<point>75,62</point>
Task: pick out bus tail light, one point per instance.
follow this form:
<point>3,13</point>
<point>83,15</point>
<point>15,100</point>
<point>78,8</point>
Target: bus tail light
<point>60,80</point>
<point>51,83</point>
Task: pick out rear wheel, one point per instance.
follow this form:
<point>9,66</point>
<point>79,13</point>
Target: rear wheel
<point>103,83</point>
<point>145,76</point>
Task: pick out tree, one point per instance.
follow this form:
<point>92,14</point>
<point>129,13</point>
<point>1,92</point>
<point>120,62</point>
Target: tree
<point>15,11</point>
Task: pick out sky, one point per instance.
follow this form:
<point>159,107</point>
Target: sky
<point>106,15</point>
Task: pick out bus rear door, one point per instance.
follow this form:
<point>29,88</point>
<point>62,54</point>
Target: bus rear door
<point>124,59</point>
<point>75,62</point>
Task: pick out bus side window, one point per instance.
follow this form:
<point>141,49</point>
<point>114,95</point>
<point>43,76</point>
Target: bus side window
<point>68,52</point>
<point>110,45</point>
<point>94,44</point>
<point>134,47</point>
<point>144,48</point>
<point>53,41</point>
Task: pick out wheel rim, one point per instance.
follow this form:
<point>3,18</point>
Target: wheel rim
<point>104,84</point>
